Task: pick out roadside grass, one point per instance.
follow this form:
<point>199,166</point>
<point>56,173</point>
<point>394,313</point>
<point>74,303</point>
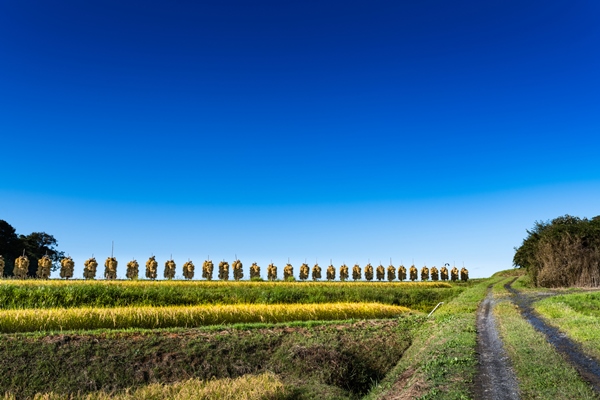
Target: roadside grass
<point>441,362</point>
<point>12,321</point>
<point>326,361</point>
<point>578,315</point>
<point>39,294</point>
<point>542,373</point>
<point>264,386</point>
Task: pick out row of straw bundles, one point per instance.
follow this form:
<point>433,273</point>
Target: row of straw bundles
<point>67,265</point>
<point>147,317</point>
<point>44,267</point>
<point>238,273</point>
<point>2,264</point>
<point>90,267</point>
<point>188,269</point>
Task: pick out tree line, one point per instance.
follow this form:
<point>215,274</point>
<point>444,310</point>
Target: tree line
<point>562,252</point>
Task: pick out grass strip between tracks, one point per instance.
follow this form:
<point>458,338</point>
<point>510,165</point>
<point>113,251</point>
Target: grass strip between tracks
<point>578,315</point>
<point>542,373</point>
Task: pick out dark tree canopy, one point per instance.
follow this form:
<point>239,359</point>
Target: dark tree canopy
<point>562,252</point>
<point>35,245</point>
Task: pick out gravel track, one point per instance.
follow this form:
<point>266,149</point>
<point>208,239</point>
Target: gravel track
<point>495,379</point>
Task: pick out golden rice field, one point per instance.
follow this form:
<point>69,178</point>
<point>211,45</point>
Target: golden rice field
<point>147,317</point>
<point>249,387</point>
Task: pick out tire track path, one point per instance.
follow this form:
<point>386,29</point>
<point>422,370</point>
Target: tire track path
<point>495,379</point>
<point>586,366</point>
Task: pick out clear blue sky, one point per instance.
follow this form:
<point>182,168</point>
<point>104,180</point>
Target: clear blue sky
<point>429,130</point>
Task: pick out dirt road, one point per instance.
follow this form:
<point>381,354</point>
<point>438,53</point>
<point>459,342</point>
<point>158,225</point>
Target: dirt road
<point>496,379</point>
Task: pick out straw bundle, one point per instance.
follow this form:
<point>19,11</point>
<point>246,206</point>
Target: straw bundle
<point>331,273</point>
<point>89,268</point>
<point>413,273</point>
<point>304,270</point>
<point>343,273</point>
<point>207,269</point>
<point>356,272</point>
<point>272,272</point>
<point>444,273</point>
<point>21,267</point>
<point>110,268</point>
<point>151,268</point>
<point>170,268</point>
<point>369,272</point>
<point>424,273</point>
<point>402,273</point>
<point>237,270</point>
<point>254,271</point>
<point>454,274</point>
<point>66,267</point>
<point>224,271</point>
<point>464,274</point>
<point>435,276</point>
<point>316,272</point>
<point>380,273</point>
<point>288,272</point>
<point>391,273</point>
<point>44,267</point>
<point>188,269</point>
<point>133,269</point>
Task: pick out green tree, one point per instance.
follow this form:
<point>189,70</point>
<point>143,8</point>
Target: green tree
<point>38,244</point>
<point>10,246</point>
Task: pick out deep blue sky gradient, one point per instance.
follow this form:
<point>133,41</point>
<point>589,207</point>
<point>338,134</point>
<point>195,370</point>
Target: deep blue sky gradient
<point>238,114</point>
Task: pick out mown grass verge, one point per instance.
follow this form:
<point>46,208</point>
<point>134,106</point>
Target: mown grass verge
<point>264,386</point>
<point>333,360</point>
<point>441,363</point>
<point>542,373</point>
<point>12,321</point>
<point>67,294</point>
<point>578,315</point>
